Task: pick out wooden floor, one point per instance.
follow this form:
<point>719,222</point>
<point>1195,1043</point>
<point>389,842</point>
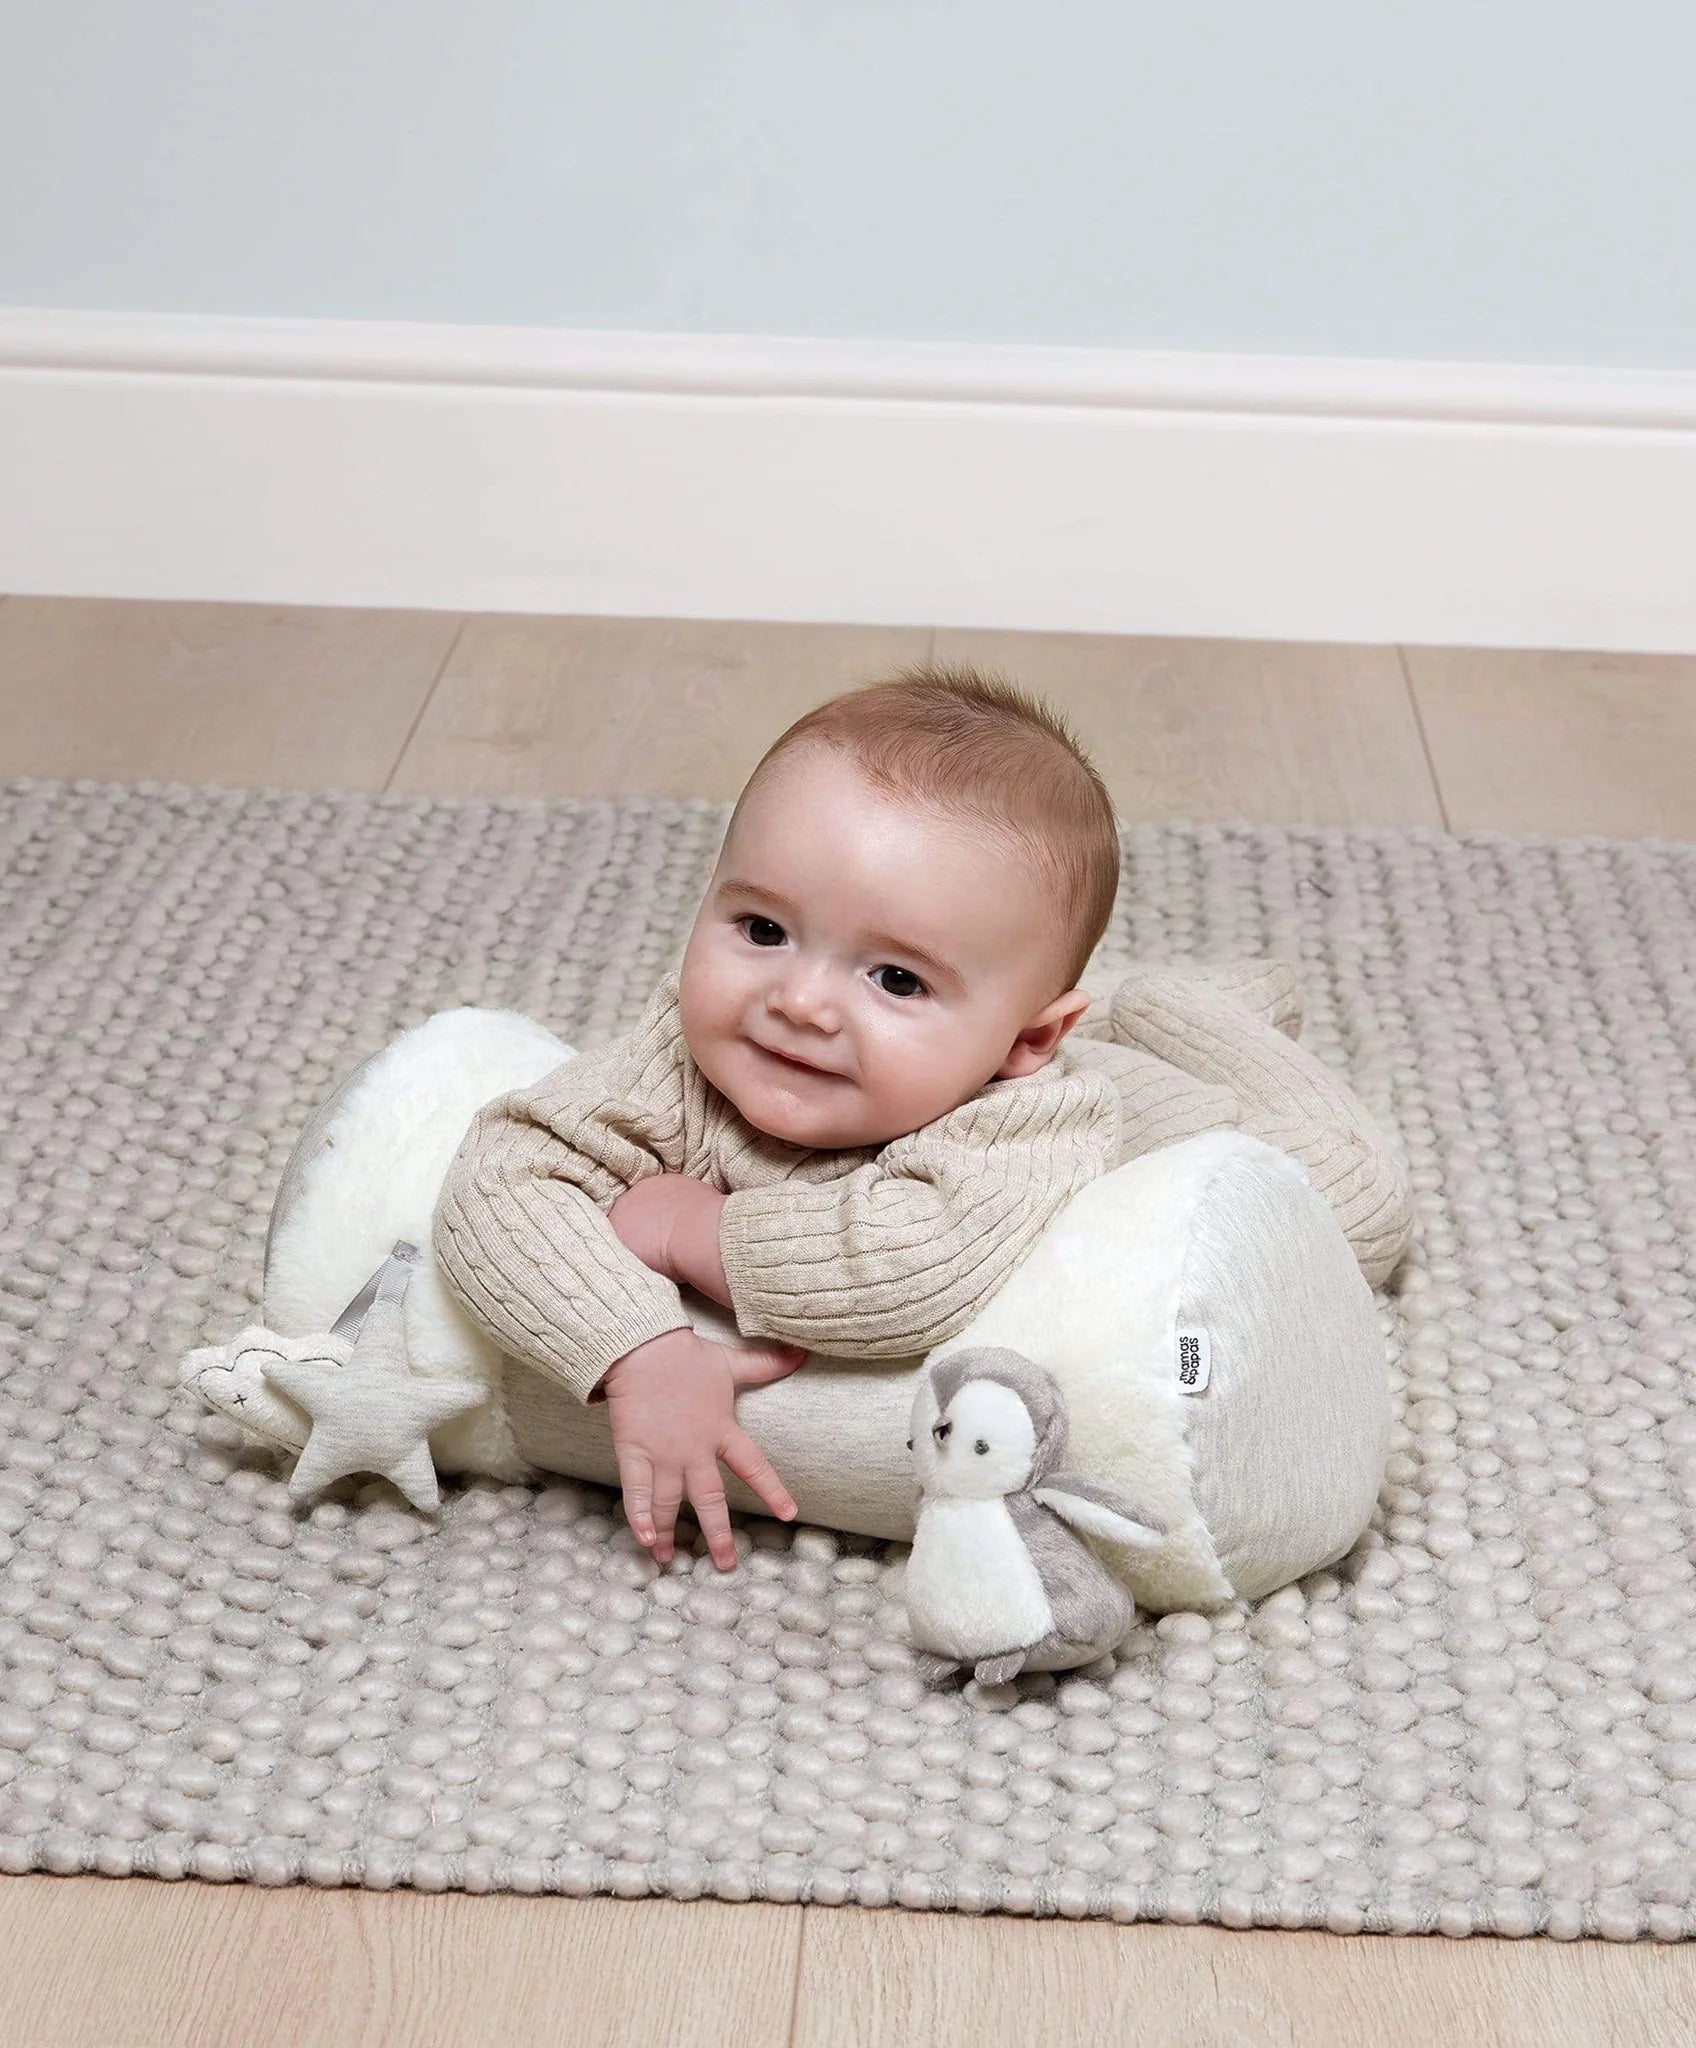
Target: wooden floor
<point>435,703</point>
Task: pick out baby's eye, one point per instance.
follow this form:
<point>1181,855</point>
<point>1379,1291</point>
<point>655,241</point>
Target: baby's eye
<point>981,1448</point>
<point>761,931</point>
<point>909,983</point>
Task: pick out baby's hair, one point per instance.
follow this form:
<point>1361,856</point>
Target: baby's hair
<point>980,748</point>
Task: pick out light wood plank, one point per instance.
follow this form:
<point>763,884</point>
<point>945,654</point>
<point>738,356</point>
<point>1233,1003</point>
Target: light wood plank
<point>244,695</point>
<point>96,1962</point>
<point>1563,744</point>
<point>1216,729</point>
<point>630,707</point>
<point>952,1981</point>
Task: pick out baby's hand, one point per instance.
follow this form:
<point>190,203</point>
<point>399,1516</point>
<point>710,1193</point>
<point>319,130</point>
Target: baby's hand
<point>672,1406</point>
<point>670,1222</point>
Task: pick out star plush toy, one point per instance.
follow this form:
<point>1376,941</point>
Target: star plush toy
<point>367,1410</point>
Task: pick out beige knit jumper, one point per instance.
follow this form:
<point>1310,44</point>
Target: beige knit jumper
<point>879,1252</point>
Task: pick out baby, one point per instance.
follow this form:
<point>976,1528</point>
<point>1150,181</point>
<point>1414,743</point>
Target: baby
<point>858,1102</point>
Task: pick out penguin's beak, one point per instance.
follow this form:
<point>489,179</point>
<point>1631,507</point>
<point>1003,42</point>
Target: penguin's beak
<point>942,1431</point>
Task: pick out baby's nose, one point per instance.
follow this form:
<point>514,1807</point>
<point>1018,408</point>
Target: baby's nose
<point>808,998</point>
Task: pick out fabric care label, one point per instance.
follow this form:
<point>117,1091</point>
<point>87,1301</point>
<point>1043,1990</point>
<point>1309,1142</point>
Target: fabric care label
<point>1195,1361</point>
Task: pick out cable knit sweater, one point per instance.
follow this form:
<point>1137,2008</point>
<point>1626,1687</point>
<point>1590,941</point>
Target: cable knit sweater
<point>879,1252</point>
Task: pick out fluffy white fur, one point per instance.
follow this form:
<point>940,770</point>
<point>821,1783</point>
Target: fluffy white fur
<point>376,1177</point>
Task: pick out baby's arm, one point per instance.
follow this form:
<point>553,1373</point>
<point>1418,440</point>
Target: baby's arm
<point>522,1238</point>
<point>670,1221</point>
<point>902,1252</point>
<point>520,1230</point>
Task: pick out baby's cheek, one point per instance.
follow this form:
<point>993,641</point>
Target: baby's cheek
<point>910,1087</point>
<point>706,1007</point>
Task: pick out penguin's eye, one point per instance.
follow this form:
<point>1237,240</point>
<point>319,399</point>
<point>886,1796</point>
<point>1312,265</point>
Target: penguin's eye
<point>980,1447</point>
<point>909,1443</point>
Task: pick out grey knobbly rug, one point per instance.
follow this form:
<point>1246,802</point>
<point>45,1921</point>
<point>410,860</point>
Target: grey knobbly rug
<point>1485,1720</point>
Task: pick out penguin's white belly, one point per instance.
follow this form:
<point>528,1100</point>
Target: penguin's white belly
<point>972,1588</point>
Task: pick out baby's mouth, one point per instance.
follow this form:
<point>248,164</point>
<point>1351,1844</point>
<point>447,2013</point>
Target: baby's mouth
<point>791,1060</point>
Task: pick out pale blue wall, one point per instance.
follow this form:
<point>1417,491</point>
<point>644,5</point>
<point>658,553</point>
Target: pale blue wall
<point>1453,178</point>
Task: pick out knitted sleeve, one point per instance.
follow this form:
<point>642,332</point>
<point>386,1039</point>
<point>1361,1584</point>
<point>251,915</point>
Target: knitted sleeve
<point>521,1233</point>
<point>1221,1036</point>
<point>902,1252</point>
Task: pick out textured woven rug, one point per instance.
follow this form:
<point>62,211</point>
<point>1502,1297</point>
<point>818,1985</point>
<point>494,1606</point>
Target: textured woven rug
<point>1485,1719</point>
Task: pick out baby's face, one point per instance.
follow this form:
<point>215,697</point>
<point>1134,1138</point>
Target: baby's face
<point>860,966</point>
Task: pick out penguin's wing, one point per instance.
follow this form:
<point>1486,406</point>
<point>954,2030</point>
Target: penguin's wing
<point>1098,1510</point>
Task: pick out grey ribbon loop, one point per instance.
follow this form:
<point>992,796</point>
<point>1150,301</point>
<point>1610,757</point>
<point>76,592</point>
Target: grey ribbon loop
<point>388,1283</point>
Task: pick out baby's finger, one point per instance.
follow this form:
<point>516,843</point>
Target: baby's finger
<point>751,1465</point>
<point>706,1497</point>
<point>757,1365</point>
<point>636,1477</point>
<point>668,1497</point>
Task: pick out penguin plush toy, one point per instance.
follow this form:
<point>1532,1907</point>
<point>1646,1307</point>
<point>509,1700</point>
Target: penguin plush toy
<point>997,1579</point>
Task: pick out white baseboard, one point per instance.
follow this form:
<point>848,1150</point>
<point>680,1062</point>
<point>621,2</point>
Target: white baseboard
<point>323,462</point>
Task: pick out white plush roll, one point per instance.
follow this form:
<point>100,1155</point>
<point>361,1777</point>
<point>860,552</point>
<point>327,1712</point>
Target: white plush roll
<point>368,1170</point>
<point>1211,1262</point>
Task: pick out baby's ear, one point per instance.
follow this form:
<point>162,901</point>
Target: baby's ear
<point>1034,1047</point>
